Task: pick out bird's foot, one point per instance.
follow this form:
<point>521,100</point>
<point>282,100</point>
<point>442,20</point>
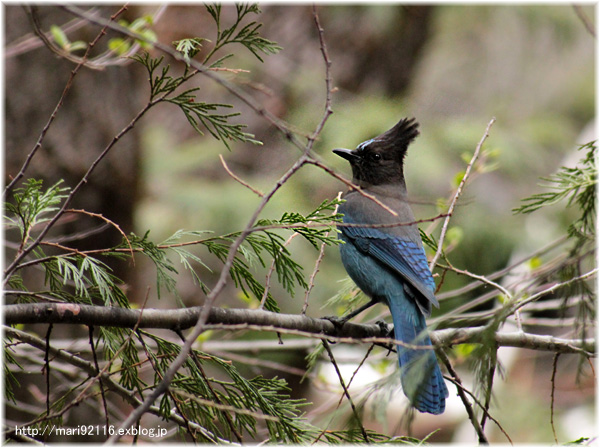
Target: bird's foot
<point>337,321</point>
<point>389,333</point>
<point>385,328</point>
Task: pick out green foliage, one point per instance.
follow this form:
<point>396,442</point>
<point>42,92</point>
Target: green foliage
<point>237,402</point>
<point>61,39</point>
<point>202,115</point>
<point>140,26</point>
<point>189,47</point>
<point>82,277</point>
<point>89,277</point>
<point>579,442</point>
<point>246,35</point>
<point>429,241</point>
<point>10,381</point>
<point>317,227</point>
<point>32,206</point>
<point>162,89</point>
<point>575,185</point>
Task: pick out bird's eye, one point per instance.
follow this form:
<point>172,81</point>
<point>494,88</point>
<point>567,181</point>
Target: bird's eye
<point>375,156</point>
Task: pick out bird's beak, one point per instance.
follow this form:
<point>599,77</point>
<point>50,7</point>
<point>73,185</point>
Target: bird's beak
<point>347,154</point>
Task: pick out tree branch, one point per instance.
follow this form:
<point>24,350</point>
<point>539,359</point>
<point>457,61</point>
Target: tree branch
<point>457,195</point>
<point>230,319</point>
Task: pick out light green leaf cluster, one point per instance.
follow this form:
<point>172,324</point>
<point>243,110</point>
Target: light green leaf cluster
<point>32,206</point>
<point>63,41</point>
<point>141,26</point>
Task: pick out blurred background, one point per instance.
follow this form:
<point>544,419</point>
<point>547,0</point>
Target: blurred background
<point>532,67</point>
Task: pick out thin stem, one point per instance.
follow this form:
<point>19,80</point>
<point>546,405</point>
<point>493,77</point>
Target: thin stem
<point>468,407</point>
<point>346,393</point>
<point>38,144</point>
<point>101,385</point>
<point>313,275</point>
<point>457,195</point>
<point>74,191</point>
<point>552,381</point>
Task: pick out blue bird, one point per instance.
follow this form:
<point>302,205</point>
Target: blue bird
<point>386,260</point>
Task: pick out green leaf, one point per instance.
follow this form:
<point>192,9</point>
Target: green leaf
<point>78,45</point>
<point>189,47</point>
<point>31,205</point>
<point>458,177</point>
<point>119,45</point>
<point>246,35</point>
<point>59,36</point>
<point>200,113</point>
<point>572,184</point>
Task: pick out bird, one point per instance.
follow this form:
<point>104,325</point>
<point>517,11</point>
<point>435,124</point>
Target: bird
<point>383,253</point>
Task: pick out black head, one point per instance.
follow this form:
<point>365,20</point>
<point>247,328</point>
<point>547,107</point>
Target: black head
<point>380,160</point>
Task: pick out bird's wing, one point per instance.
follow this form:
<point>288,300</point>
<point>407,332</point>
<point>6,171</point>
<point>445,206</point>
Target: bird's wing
<point>404,256</point>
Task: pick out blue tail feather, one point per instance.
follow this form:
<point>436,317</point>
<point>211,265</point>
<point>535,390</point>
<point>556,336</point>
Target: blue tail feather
<point>420,374</point>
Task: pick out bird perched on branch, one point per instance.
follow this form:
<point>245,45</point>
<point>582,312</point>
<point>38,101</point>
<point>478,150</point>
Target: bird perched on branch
<point>383,254</point>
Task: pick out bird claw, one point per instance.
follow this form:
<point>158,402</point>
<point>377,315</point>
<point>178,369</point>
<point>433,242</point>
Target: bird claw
<point>389,333</point>
<point>338,322</point>
<point>384,326</point>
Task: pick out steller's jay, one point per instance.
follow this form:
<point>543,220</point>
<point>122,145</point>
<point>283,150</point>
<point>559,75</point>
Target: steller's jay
<point>387,261</point>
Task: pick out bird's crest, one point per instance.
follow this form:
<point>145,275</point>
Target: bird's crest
<point>404,132</point>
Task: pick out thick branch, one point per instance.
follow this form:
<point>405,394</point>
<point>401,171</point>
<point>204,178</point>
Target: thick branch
<point>259,320</point>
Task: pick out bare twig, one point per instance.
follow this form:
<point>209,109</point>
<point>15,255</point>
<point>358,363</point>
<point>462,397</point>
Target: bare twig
<point>461,393</point>
<point>328,81</point>
<point>47,368</point>
<point>502,272</point>
<point>457,195</point>
<point>311,281</point>
<point>516,305</point>
<point>552,381</point>
<point>108,221</point>
<point>346,393</point>
<point>74,72</point>
<point>589,26</point>
<point>325,427</point>
<point>30,42</point>
<point>37,28</point>
<point>458,384</point>
<point>351,185</point>
<point>95,358</point>
<point>483,279</point>
<point>11,268</point>
<point>237,179</point>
